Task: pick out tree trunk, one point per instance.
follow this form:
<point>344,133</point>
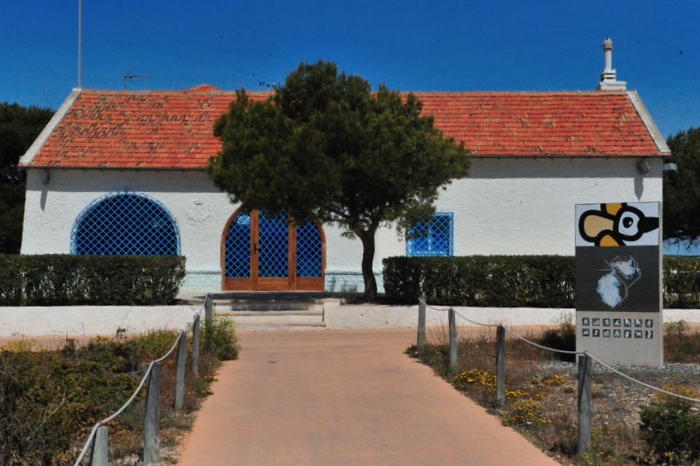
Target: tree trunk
<point>367,261</point>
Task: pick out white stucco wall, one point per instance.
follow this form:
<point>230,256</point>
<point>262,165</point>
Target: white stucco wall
<point>505,206</point>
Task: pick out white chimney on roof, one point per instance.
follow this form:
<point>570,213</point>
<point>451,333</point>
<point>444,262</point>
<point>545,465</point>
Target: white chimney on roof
<point>608,78</point>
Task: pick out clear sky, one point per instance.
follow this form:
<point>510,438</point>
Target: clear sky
<point>410,45</point>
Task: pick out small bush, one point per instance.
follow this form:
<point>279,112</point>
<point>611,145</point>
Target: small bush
<point>671,428</point>
<point>62,280</point>
<point>562,338</point>
<point>682,282</point>
<point>220,338</point>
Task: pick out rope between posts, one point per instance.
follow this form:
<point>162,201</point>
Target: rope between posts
<point>104,421</point>
<point>540,346</point>
<point>474,322</point>
<point>612,369</point>
<point>622,374</point>
<point>651,387</point>
<point>456,313</point>
<point>433,307</point>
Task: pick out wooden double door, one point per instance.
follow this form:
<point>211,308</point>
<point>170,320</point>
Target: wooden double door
<point>269,253</point>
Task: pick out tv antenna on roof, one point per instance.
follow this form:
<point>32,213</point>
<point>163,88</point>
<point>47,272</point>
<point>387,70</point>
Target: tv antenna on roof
<point>134,76</point>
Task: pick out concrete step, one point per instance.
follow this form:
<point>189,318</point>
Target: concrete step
<point>229,305</point>
<point>289,319</point>
<point>267,327</point>
<point>265,315</point>
<point>311,312</point>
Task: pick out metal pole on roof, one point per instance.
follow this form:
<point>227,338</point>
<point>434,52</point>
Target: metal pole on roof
<point>80,39</point>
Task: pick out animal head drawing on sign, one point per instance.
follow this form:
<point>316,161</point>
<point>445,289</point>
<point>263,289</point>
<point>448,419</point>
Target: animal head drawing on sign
<point>616,224</point>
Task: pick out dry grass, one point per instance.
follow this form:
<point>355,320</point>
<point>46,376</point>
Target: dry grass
<point>542,392</point>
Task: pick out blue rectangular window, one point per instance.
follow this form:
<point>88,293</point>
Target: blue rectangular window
<point>432,237</point>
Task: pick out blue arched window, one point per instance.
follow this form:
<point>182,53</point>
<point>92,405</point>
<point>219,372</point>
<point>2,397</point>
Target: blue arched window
<point>125,223</point>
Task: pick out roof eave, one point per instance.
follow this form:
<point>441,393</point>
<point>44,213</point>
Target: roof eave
<point>26,160</point>
<point>63,167</point>
<point>649,122</point>
<point>567,156</point>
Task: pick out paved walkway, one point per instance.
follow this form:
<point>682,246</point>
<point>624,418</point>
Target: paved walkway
<point>344,397</point>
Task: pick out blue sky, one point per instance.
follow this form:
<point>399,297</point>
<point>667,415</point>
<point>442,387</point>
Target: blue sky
<point>408,45</point>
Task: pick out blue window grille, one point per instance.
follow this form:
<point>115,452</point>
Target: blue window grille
<point>309,250</point>
<point>237,255</point>
<point>125,223</point>
<point>273,244</point>
<point>432,237</point>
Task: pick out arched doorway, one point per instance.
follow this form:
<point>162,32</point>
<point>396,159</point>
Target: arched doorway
<point>267,253</point>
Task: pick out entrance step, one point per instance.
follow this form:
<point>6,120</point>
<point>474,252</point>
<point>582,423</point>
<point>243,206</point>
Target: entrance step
<point>265,314</point>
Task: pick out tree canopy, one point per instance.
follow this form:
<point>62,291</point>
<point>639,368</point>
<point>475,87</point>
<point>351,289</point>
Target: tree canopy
<point>323,146</point>
<point>19,127</point>
<point>682,188</point>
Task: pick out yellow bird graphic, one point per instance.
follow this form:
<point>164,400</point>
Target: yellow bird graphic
<point>615,224</point>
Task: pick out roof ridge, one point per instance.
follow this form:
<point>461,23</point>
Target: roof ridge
<point>208,88</point>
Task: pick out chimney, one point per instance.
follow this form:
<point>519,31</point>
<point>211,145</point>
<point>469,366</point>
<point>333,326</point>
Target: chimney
<point>608,78</point>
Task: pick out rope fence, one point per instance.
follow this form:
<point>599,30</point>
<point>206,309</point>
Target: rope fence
<point>585,359</point>
<point>97,443</point>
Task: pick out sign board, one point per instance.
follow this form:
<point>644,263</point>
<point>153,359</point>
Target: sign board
<point>618,282</point>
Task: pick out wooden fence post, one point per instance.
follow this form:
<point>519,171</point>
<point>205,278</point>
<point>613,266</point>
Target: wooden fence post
<point>208,319</point>
<point>500,365</point>
<point>195,346</point>
<point>180,371</point>
<point>151,425</point>
<point>453,341</point>
<point>585,412</point>
<point>208,308</point>
<point>421,324</point>
<point>100,448</point>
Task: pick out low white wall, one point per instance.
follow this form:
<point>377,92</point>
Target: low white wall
<point>93,320</point>
<point>106,320</point>
<point>358,317</point>
<point>368,317</point>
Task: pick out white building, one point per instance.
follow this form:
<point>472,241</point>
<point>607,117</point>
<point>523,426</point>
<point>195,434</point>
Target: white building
<point>124,172</point>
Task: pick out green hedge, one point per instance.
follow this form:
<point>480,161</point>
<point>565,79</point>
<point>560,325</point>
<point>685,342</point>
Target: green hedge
<point>488,281</point>
<point>61,280</point>
<point>515,281</point>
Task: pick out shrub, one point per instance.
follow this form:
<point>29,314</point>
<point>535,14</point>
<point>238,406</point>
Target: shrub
<point>489,281</point>
<point>220,338</point>
<point>59,280</point>
<point>49,400</point>
<point>515,281</point>
<point>682,282</point>
<point>562,338</point>
<point>671,428</point>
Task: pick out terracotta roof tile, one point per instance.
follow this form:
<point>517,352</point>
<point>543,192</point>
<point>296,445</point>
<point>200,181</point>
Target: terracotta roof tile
<point>174,129</point>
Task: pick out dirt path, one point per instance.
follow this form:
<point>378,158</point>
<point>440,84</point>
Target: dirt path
<point>344,398</point>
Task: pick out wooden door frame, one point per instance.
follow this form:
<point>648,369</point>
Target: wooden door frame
<point>254,282</point>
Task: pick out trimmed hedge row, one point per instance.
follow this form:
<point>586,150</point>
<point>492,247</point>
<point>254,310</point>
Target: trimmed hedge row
<point>487,281</point>
<point>515,281</point>
<point>61,280</point>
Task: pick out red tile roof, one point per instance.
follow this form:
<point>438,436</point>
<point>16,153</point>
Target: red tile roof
<point>174,129</point>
